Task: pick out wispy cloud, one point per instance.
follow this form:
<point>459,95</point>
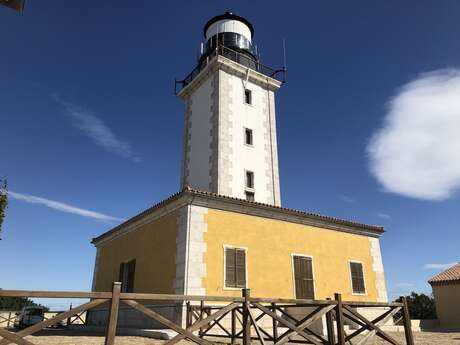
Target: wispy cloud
<point>63,207</point>
<point>346,198</point>
<point>438,266</point>
<point>417,152</point>
<point>384,216</point>
<point>403,285</point>
<point>97,130</point>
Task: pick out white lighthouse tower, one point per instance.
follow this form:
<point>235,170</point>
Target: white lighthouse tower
<point>230,124</point>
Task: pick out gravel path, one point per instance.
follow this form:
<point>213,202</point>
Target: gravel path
<point>62,337</point>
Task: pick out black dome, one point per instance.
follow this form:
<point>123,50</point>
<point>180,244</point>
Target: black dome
<point>227,15</point>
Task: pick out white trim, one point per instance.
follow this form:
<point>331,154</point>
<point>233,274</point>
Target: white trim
<point>312,271</point>
<point>351,280</point>
<point>224,287</point>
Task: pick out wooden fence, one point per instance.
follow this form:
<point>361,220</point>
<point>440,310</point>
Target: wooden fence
<point>245,313</point>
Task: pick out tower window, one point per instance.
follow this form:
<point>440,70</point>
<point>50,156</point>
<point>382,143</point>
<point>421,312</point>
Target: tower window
<point>247,96</point>
<point>248,136</point>
<point>249,179</point>
<point>249,196</point>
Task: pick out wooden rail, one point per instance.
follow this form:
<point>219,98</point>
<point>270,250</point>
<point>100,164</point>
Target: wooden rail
<point>236,318</point>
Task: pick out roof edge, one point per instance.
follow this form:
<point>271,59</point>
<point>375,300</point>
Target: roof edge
<point>318,220</point>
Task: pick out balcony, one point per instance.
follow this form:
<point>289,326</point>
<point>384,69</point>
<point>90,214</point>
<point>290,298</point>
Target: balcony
<point>241,57</point>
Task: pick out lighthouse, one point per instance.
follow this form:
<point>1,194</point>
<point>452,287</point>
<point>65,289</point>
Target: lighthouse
<point>230,145</point>
<point>224,231</point>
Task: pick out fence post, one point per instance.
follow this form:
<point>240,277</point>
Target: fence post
<point>9,318</point>
<point>275,325</point>
<point>112,319</point>
<point>188,320</point>
<point>339,320</point>
<point>330,327</point>
<point>246,318</point>
<point>407,323</point>
<point>69,319</point>
<point>200,332</point>
<point>233,326</point>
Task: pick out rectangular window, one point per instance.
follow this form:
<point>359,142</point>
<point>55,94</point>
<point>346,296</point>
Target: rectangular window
<point>303,276</point>
<point>127,272</point>
<point>248,136</point>
<point>249,179</point>
<point>235,268</point>
<point>247,96</point>
<point>357,278</point>
<point>250,196</point>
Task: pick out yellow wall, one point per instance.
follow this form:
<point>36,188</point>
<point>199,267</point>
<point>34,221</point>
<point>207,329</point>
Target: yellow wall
<point>153,246</point>
<point>270,244</point>
<point>447,299</point>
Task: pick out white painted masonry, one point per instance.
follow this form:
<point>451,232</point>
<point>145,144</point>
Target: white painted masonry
<point>199,140</point>
<point>377,267</point>
<point>190,266</point>
<point>216,156</point>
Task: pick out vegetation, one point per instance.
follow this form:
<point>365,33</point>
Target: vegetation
<point>421,306</point>
<point>3,202</point>
<point>17,303</point>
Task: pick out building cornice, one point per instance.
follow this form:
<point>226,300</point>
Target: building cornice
<point>234,68</point>
<point>445,282</point>
<point>225,203</point>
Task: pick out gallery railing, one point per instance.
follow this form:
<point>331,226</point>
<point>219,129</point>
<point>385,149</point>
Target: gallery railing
<point>239,57</point>
<point>243,316</point>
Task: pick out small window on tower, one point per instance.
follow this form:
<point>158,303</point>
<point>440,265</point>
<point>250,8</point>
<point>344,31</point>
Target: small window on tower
<point>249,179</point>
<point>250,196</point>
<point>248,136</point>
<point>247,96</point>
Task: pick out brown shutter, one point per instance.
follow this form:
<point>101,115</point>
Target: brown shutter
<point>131,266</point>
<point>240,268</point>
<point>357,277</point>
<point>303,276</point>
<point>230,267</point>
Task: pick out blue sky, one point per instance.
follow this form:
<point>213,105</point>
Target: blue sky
<point>91,132</point>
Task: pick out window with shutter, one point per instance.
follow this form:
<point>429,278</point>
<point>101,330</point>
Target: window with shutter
<point>357,278</point>
<point>303,276</point>
<point>127,273</point>
<point>235,268</point>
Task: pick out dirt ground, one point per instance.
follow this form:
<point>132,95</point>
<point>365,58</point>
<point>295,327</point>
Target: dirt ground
<point>64,337</point>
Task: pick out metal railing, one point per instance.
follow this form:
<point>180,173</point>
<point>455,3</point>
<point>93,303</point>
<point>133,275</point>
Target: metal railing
<point>236,56</point>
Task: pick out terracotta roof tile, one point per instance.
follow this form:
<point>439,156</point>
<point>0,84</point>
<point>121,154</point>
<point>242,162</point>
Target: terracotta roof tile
<point>188,190</point>
<point>450,275</point>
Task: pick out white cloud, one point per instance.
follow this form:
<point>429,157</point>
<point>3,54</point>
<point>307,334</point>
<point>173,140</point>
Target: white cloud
<point>403,285</point>
<point>346,198</point>
<point>384,215</point>
<point>417,151</point>
<point>97,130</point>
<point>438,266</point>
<point>60,206</point>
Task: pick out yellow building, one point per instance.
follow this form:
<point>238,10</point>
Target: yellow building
<point>226,229</point>
<point>446,292</point>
